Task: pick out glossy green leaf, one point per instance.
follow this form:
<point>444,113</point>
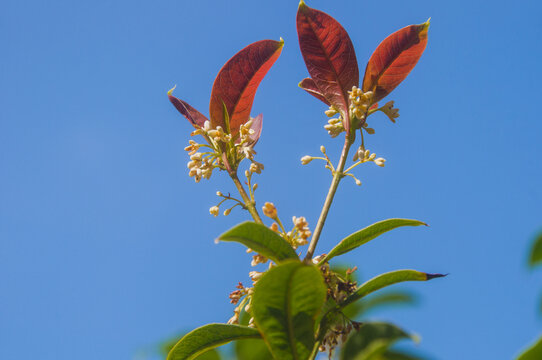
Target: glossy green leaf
<point>208,337</point>
<point>261,239</point>
<point>252,350</point>
<point>532,353</point>
<point>367,234</point>
<point>536,252</point>
<point>166,346</point>
<point>372,341</point>
<point>388,279</point>
<point>286,301</point>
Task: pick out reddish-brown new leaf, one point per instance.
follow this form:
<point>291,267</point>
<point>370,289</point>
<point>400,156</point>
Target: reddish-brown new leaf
<point>309,86</point>
<point>329,55</point>
<point>236,83</point>
<point>394,58</point>
<point>193,115</point>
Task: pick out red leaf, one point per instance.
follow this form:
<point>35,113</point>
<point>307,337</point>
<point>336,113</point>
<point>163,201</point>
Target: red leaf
<point>329,56</point>
<point>394,58</point>
<point>236,83</point>
<point>195,117</point>
<point>309,86</point>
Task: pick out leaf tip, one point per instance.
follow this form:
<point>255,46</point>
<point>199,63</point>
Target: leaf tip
<point>170,91</point>
<point>281,42</point>
<point>424,27</point>
<point>434,276</point>
<point>302,4</point>
<point>217,240</point>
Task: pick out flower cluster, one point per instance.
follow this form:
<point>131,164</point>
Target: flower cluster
<point>220,142</point>
<point>359,102</point>
<point>338,289</point>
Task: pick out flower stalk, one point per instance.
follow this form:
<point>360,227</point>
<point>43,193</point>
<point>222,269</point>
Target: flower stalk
<point>337,176</point>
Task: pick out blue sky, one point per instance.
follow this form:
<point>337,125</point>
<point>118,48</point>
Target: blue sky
<point>106,245</point>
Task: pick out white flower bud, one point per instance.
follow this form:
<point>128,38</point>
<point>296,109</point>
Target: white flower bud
<point>306,159</point>
<point>372,157</point>
<point>214,210</point>
<point>380,162</point>
<point>358,183</point>
<point>218,193</point>
<point>227,212</point>
<point>331,112</point>
<point>323,149</point>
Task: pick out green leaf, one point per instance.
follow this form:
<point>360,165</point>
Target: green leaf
<point>261,239</point>
<point>369,233</point>
<point>372,341</point>
<point>252,350</point>
<point>532,353</point>
<point>396,355</point>
<point>285,303</point>
<point>166,346</point>
<point>208,337</point>
<point>387,279</point>
<point>536,252</point>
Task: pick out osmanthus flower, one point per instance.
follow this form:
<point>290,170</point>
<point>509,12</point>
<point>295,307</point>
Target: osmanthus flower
<point>334,75</point>
<point>230,132</point>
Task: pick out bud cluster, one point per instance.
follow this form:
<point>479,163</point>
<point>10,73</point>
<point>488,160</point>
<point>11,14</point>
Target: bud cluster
<point>364,155</point>
<point>300,233</point>
<point>334,127</point>
<point>219,141</point>
<point>359,102</point>
<point>338,289</point>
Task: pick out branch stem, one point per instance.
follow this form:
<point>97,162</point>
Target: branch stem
<point>337,176</point>
<point>249,203</point>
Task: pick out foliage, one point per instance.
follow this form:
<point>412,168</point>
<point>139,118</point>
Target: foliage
<point>300,305</point>
<point>534,352</point>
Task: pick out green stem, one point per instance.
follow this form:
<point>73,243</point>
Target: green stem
<point>337,176</point>
<point>249,204</point>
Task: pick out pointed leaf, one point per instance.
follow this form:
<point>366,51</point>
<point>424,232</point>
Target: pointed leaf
<point>208,337</point>
<point>371,340</point>
<point>387,279</point>
<point>367,234</point>
<point>285,303</point>
<point>532,353</point>
<point>329,55</point>
<point>236,83</point>
<point>393,59</point>
<point>261,239</point>
<point>195,117</point>
<point>309,86</point>
<point>166,346</point>
<point>536,252</point>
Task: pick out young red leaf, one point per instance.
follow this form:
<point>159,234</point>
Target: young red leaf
<point>329,56</point>
<point>195,117</point>
<point>394,58</point>
<point>309,86</point>
<point>236,83</point>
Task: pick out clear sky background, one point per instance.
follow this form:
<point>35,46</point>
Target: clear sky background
<point>106,244</point>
